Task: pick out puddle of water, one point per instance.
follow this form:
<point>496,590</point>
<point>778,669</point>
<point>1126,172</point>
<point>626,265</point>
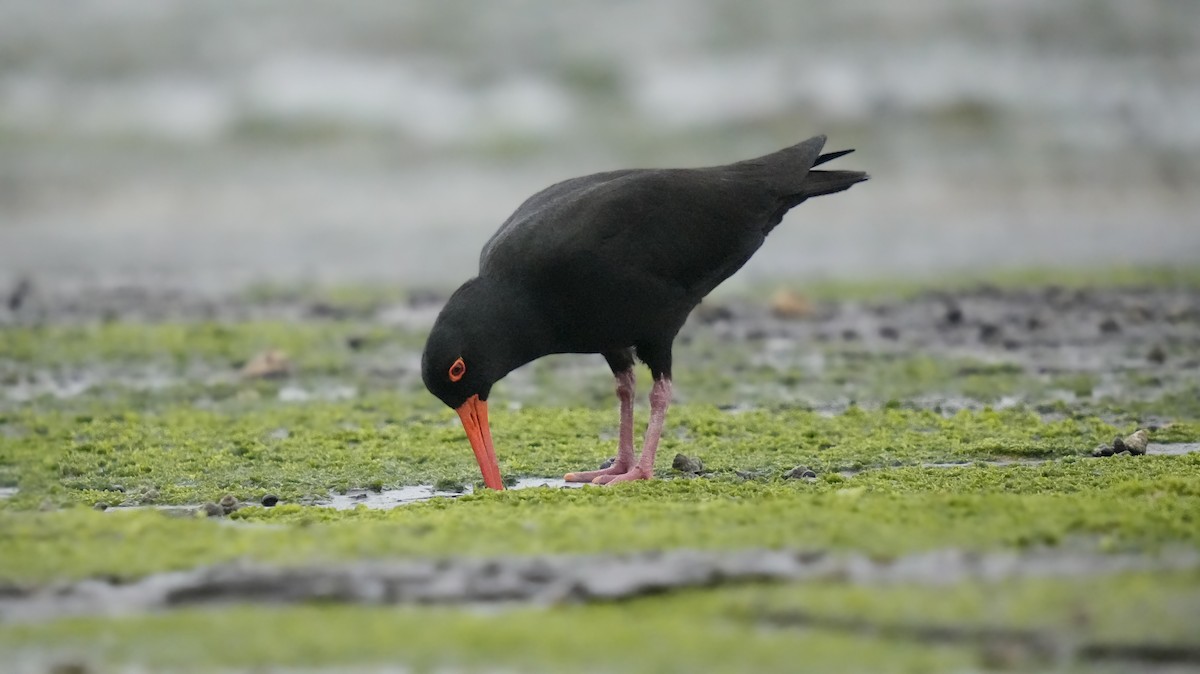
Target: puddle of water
<point>1155,449</point>
<point>7,492</point>
<point>1173,449</point>
<point>391,498</point>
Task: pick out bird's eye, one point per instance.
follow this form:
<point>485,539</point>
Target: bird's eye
<point>457,370</point>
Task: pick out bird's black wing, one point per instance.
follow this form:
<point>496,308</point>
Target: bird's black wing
<point>615,242</point>
<point>545,206</point>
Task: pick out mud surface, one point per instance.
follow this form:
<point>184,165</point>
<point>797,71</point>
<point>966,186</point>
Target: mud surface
<point>1000,647</point>
<point>549,579</point>
<point>1054,331</point>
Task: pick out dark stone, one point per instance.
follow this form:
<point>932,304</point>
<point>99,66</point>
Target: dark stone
<point>423,297</point>
<point>327,310</point>
<point>607,463</point>
<point>100,505</point>
<point>687,464</point>
<point>270,500</point>
<point>989,331</point>
<point>211,509</point>
<point>229,503</point>
<point>19,293</point>
<point>889,332</point>
<point>1157,355</point>
<point>713,314</point>
<point>356,342</point>
<point>954,315</point>
<point>1109,326</point>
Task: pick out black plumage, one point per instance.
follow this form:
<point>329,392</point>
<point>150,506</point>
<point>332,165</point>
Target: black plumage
<point>611,263</point>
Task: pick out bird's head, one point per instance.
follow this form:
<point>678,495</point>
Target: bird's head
<point>477,339</point>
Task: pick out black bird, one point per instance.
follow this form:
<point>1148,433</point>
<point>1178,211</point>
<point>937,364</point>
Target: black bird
<point>611,263</point>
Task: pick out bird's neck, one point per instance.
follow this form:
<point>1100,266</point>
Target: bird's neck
<point>518,331</point>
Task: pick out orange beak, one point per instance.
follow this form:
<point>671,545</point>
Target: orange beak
<point>475,421</point>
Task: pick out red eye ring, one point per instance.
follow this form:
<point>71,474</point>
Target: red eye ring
<point>457,370</point>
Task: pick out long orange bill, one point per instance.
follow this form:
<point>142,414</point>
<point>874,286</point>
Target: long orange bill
<point>475,421</point>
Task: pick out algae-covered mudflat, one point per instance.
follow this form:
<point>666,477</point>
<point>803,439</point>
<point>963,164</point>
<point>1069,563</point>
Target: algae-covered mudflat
<point>890,477</point>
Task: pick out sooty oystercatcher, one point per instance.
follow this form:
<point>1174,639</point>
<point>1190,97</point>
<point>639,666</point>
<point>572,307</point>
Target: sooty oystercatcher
<point>610,263</point>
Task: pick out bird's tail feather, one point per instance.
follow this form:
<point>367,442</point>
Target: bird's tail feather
<point>818,183</point>
<point>830,156</point>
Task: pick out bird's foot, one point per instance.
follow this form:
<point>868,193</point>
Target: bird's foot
<point>593,475</point>
<point>635,473</point>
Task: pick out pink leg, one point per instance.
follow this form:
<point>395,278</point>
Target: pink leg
<point>625,383</point>
<point>660,399</point>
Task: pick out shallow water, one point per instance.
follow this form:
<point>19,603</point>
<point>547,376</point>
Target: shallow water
<point>391,498</point>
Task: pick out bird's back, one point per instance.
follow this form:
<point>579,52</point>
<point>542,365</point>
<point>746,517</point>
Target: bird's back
<point>659,238</point>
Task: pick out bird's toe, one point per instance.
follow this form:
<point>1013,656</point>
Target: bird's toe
<point>635,473</point>
<point>593,475</point>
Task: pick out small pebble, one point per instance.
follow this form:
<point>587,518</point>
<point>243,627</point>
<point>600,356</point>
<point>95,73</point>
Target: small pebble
<point>954,315</point>
<point>268,364</point>
<point>708,315</point>
<point>1110,326</point>
<point>1136,442</point>
<point>687,464</point>
<point>789,304</point>
<point>229,503</point>
<point>100,505</point>
<point>989,331</point>
<point>800,473</point>
<point>1103,450</point>
<point>356,342</point>
<point>608,462</point>
<point>270,500</point>
<point>1157,355</point>
<point>889,332</point>
<point>449,484</point>
<point>211,509</point>
<point>150,495</point>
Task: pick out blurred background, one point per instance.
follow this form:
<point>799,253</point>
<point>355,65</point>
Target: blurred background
<point>223,142</point>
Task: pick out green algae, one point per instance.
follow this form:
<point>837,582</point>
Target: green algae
<point>190,455</point>
<point>721,630</point>
<point>675,634</point>
<point>1121,503</point>
<point>314,346</point>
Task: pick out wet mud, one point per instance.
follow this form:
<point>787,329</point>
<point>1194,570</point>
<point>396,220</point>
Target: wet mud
<point>1000,648</point>
<point>550,579</point>
<point>1119,339</point>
